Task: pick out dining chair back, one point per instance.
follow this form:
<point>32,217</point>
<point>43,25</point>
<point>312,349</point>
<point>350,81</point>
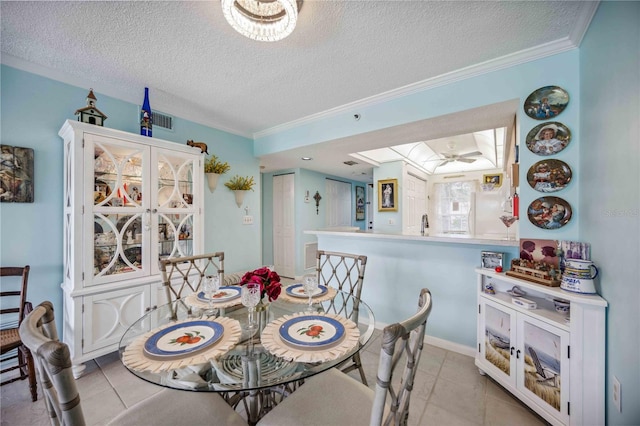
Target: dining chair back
<point>334,398</point>
<point>53,361</point>
<point>166,407</point>
<point>15,355</point>
<point>345,272</point>
<point>404,342</point>
<point>185,274</point>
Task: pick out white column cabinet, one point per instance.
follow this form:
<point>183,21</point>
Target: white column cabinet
<point>552,362</point>
<point>129,201</point>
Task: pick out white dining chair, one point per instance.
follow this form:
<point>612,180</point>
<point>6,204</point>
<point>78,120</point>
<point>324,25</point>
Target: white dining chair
<point>167,407</point>
<point>185,274</point>
<point>345,272</point>
<point>333,398</point>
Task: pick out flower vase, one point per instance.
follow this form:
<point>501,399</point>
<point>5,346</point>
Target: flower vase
<point>262,314</point>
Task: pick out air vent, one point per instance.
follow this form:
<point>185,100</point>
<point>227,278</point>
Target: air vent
<point>350,163</point>
<point>162,120</point>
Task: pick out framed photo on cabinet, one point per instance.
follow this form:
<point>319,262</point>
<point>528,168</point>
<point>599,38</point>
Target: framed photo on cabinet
<point>388,195</point>
<point>492,259</point>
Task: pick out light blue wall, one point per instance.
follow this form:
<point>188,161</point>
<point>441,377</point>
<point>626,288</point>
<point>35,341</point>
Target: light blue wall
<point>305,213</point>
<point>610,181</point>
<point>33,110</point>
<point>516,82</point>
<point>602,81</point>
<point>387,221</point>
<point>392,282</point>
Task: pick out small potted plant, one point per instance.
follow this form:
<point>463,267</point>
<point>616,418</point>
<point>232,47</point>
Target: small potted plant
<point>240,185</point>
<point>213,168</point>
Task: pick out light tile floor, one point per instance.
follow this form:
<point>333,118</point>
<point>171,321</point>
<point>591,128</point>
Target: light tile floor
<point>449,391</point>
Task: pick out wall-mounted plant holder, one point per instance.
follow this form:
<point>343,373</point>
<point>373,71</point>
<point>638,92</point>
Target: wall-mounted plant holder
<point>212,179</point>
<point>239,193</point>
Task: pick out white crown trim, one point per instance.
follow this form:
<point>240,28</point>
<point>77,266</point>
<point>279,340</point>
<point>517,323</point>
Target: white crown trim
<point>523,56</point>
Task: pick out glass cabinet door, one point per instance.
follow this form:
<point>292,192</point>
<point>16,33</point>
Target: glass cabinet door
<point>119,196</point>
<point>174,205</point>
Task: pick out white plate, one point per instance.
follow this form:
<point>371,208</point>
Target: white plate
<point>224,294</point>
<point>311,331</point>
<point>183,339</point>
<point>297,290</point>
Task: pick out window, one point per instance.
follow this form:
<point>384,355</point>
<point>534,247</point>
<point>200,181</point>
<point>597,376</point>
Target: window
<point>452,207</point>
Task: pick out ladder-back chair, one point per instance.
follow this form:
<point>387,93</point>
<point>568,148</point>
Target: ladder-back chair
<point>15,355</point>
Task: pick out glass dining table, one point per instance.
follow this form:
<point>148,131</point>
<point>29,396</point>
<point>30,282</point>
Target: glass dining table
<point>184,345</point>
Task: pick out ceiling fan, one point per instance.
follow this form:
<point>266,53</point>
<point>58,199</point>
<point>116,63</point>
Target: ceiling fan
<point>451,156</point>
<point>464,158</point>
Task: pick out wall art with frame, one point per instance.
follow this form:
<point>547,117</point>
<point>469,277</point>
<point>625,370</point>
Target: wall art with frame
<point>16,174</point>
<point>388,195</point>
<point>359,202</point>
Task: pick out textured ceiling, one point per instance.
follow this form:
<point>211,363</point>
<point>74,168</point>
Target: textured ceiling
<point>341,52</point>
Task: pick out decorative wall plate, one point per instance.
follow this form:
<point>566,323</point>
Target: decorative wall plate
<point>549,175</point>
<point>546,102</point>
<point>549,212</point>
<point>548,138</point>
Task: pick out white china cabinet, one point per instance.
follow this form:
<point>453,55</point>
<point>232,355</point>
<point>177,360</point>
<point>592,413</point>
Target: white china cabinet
<point>552,361</point>
<point>129,201</point>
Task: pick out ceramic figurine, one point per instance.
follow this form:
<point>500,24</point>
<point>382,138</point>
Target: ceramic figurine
<point>201,145</point>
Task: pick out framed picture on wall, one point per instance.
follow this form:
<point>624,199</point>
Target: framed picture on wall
<point>388,195</point>
<point>493,179</point>
<point>359,202</point>
<point>16,175</point>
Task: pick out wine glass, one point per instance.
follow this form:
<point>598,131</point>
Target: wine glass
<point>508,220</point>
<point>210,287</point>
<point>250,296</point>
<point>310,285</point>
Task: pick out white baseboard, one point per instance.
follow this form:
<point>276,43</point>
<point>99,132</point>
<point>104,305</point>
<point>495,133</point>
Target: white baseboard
<point>441,343</point>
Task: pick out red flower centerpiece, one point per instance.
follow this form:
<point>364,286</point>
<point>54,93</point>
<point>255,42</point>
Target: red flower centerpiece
<point>269,282</point>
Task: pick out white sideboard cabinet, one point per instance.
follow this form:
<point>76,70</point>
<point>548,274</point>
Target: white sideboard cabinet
<point>551,361</point>
<point>129,201</point>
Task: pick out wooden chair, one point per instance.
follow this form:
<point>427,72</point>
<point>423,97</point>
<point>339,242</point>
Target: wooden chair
<point>14,308</point>
<point>189,271</point>
<point>345,272</point>
<point>333,398</point>
<point>168,407</point>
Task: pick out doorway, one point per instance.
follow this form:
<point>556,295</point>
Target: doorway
<point>284,259</point>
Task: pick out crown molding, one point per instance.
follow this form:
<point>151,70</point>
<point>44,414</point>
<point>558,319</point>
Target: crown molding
<point>583,20</point>
<point>163,101</point>
<point>517,58</point>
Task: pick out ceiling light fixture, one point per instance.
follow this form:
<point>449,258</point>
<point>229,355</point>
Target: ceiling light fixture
<point>261,20</point>
<point>307,158</point>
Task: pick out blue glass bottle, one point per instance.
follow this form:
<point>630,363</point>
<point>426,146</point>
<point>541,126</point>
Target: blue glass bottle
<point>145,115</point>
